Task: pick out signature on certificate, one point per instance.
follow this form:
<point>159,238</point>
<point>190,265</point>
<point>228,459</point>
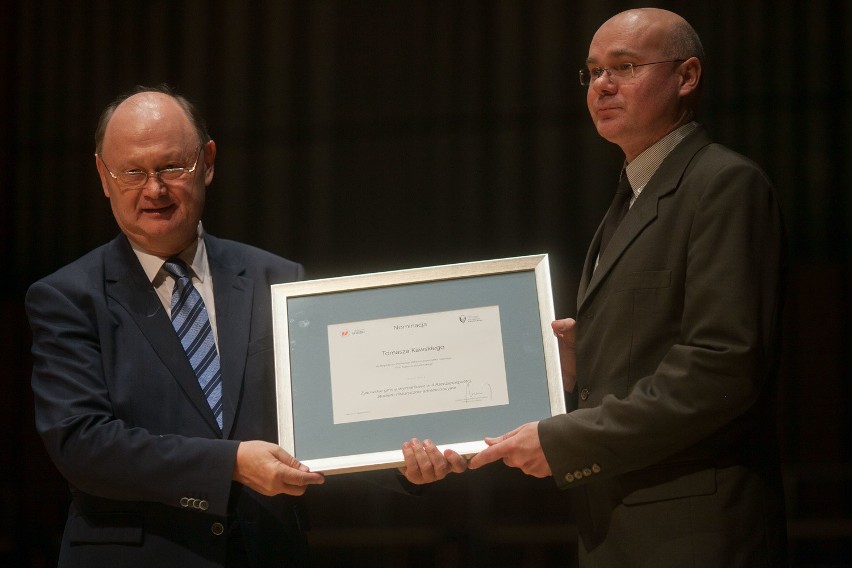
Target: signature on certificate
<point>484,392</point>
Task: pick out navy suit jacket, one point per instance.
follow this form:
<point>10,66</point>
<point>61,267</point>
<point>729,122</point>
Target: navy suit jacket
<point>123,418</point>
<point>672,449</point>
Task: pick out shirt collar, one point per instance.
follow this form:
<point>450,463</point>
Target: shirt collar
<point>195,257</point>
<point>645,165</point>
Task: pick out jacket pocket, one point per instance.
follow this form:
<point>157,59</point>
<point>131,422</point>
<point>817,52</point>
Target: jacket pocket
<point>640,491</point>
<point>106,528</point>
<point>647,279</point>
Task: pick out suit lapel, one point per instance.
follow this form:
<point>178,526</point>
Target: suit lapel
<point>234,294</point>
<point>589,264</point>
<point>127,284</point>
<point>643,212</point>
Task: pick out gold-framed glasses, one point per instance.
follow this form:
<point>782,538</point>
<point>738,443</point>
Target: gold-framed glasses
<point>589,75</point>
<point>135,179</point>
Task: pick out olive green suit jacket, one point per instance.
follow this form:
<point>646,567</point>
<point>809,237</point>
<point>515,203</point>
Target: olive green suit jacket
<point>671,452</point>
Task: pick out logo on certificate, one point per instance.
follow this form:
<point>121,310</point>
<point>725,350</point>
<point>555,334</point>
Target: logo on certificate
<point>346,332</point>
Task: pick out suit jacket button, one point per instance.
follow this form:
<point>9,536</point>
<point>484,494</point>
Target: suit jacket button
<point>217,528</point>
<point>569,477</point>
<point>584,394</point>
<point>596,468</point>
<point>587,472</point>
<point>184,502</point>
<point>203,504</point>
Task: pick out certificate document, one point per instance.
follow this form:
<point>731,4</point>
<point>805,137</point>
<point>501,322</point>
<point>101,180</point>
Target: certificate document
<point>419,364</point>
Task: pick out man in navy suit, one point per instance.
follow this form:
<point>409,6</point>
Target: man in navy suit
<point>155,481</point>
<point>671,455</point>
<point>158,477</point>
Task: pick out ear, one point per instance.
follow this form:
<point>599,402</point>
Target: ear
<point>103,174</point>
<point>690,76</point>
<point>209,159</point>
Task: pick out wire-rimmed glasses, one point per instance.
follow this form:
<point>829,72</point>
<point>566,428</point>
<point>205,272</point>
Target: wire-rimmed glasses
<point>589,75</point>
<point>135,179</point>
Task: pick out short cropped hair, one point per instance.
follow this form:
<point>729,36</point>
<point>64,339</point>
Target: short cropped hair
<point>683,42</point>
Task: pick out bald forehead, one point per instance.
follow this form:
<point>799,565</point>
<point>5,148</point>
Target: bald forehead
<point>657,18</point>
<point>145,103</point>
<point>150,113</point>
<point>632,31</point>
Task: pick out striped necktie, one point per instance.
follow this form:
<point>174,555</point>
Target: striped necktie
<point>190,320</point>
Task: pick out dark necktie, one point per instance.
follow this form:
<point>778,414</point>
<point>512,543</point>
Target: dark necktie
<point>190,320</point>
<point>617,210</point>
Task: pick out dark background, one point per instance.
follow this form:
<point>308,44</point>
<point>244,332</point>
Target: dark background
<point>358,136</point>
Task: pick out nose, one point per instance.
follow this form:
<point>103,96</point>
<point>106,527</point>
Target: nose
<point>604,83</point>
<point>154,187</point>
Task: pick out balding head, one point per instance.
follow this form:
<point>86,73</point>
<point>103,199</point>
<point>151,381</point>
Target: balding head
<point>672,34</point>
<point>189,109</point>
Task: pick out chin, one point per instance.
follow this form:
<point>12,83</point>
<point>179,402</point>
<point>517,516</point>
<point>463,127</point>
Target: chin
<point>608,134</point>
<point>165,240</point>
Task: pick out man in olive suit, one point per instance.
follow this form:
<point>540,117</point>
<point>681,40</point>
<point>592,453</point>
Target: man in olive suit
<point>671,454</point>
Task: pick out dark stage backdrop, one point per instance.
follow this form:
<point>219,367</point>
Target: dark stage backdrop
<point>358,136</point>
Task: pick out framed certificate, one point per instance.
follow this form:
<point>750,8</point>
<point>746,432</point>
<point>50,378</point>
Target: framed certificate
<point>450,353</point>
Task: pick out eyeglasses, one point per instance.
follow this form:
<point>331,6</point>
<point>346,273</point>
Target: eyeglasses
<point>620,71</point>
<point>135,179</point>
